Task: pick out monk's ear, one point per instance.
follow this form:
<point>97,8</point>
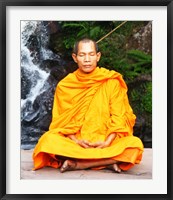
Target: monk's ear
<point>98,56</point>
<point>74,56</point>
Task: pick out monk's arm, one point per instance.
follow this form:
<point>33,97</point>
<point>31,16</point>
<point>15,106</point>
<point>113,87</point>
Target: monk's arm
<point>110,138</point>
<point>73,137</point>
<point>121,119</point>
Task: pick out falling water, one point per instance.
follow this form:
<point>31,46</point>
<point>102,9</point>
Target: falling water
<point>36,87</point>
<point>36,76</point>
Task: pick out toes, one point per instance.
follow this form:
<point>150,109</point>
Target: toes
<point>67,166</point>
<point>64,166</point>
<point>116,168</point>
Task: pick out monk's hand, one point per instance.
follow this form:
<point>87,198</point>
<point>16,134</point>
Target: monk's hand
<point>105,143</point>
<point>84,143</point>
<point>87,144</point>
<point>100,144</point>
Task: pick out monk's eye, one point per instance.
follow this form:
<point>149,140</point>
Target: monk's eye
<point>81,55</point>
<point>92,54</point>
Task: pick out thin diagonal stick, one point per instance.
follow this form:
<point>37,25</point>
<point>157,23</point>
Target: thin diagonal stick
<point>111,31</point>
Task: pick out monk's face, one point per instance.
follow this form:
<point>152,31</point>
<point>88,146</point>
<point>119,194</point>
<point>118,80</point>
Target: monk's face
<point>86,57</point>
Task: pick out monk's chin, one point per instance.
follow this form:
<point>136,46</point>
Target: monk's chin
<point>87,69</point>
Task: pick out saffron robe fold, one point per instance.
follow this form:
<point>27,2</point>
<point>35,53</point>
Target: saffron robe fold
<point>91,106</point>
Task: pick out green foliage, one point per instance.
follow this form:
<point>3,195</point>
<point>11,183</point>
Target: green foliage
<point>141,101</point>
<point>147,98</point>
<point>80,29</point>
<point>141,62</point>
<point>70,31</point>
<point>136,64</point>
<point>142,95</point>
<point>130,63</point>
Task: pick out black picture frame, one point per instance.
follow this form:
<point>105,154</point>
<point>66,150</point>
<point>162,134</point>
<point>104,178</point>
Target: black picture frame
<point>3,183</point>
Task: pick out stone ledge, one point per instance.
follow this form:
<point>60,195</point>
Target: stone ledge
<point>141,171</point>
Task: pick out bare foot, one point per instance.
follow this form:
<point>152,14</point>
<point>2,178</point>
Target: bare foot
<point>114,167</point>
<point>68,165</point>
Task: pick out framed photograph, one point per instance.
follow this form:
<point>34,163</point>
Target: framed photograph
<point>19,20</point>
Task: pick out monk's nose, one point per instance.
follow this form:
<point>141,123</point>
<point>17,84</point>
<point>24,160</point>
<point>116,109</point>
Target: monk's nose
<point>87,58</point>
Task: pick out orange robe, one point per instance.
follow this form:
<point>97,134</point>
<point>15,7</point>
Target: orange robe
<point>91,106</point>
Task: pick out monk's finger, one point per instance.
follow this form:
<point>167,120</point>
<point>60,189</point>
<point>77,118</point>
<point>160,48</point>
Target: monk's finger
<point>91,144</point>
<point>99,144</point>
<point>86,142</point>
<point>102,145</point>
<point>96,144</point>
<point>84,145</point>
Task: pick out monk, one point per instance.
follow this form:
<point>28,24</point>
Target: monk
<point>92,121</point>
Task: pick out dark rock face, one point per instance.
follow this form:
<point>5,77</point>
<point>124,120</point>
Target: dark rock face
<point>142,40</point>
<point>141,131</point>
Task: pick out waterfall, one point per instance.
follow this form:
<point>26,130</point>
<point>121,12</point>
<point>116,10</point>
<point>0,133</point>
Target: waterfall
<point>35,75</point>
<point>37,83</point>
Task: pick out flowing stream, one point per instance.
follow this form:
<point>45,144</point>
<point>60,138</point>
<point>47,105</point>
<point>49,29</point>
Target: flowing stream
<point>37,82</point>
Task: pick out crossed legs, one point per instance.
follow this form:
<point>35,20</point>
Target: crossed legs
<point>69,165</point>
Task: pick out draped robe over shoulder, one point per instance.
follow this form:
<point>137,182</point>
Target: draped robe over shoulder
<point>90,106</point>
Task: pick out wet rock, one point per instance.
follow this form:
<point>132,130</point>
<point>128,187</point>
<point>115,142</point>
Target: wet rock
<point>141,40</point>
<point>26,84</point>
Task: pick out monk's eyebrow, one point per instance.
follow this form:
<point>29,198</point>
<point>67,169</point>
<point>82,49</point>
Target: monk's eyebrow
<point>86,52</point>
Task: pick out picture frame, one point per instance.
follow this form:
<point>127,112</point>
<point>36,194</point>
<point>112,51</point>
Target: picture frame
<point>3,89</point>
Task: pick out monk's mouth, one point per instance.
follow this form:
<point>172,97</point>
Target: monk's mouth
<point>87,66</point>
